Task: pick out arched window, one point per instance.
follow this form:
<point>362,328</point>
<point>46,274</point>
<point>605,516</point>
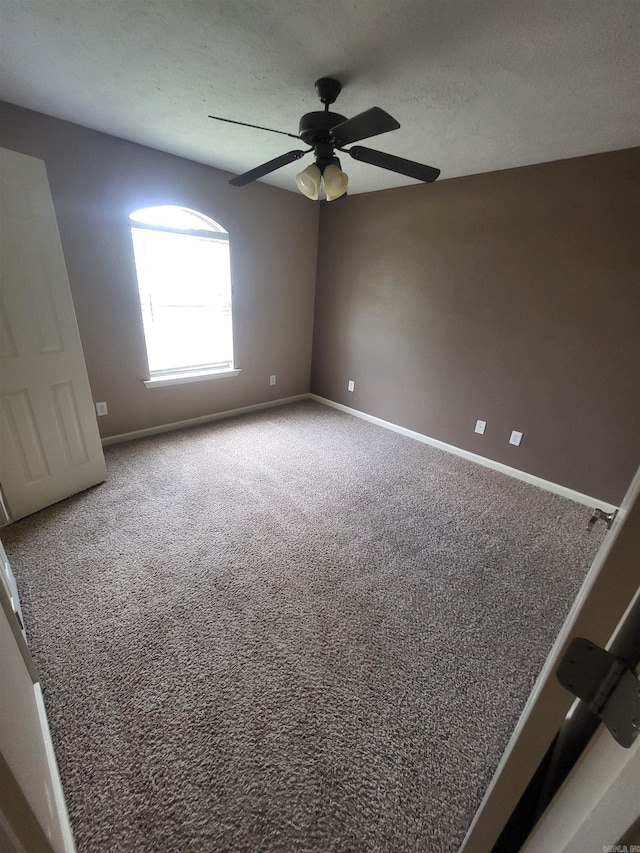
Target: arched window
<point>182,263</point>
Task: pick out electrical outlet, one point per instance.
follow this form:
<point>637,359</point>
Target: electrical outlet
<point>351,385</point>
<point>272,379</point>
<point>101,409</point>
<point>481,427</point>
<point>516,438</point>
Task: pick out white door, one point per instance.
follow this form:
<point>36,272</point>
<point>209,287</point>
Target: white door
<point>49,441</point>
<point>606,594</point>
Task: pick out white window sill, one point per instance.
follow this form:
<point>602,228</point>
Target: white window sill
<point>193,376</point>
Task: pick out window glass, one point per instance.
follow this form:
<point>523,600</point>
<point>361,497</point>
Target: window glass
<point>185,290</point>
<point>175,218</point>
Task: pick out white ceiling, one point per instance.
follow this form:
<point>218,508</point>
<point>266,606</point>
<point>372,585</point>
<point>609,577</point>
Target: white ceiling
<point>477,85</point>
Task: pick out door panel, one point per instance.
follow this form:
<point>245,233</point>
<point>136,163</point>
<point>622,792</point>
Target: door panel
<point>50,441</point>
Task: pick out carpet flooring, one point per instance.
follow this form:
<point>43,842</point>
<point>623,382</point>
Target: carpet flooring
<point>290,631</point>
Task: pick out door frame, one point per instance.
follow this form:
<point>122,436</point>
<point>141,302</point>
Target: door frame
<point>598,805</point>
<point>606,593</point>
<point>19,823</point>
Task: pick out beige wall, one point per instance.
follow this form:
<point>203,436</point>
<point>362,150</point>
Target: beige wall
<point>513,297</point>
<point>96,181</point>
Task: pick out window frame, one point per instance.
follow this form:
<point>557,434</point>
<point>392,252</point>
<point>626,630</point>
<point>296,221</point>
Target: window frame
<point>197,373</point>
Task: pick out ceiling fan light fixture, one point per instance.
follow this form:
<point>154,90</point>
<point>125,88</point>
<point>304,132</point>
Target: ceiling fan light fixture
<point>309,180</point>
<point>335,182</point>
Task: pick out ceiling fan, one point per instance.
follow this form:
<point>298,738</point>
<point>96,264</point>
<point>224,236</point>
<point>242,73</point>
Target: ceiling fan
<point>327,132</point>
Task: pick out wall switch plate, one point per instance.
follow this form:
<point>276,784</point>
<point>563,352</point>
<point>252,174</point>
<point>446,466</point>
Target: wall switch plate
<point>481,427</point>
<point>351,385</point>
<point>516,438</point>
<point>101,409</point>
<point>272,379</point>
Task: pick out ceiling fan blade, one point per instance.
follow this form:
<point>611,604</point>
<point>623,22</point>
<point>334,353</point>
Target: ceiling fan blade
<point>394,164</point>
<point>266,168</point>
<point>369,123</point>
<point>256,126</point>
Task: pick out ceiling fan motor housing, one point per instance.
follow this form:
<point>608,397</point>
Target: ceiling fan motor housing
<point>315,127</point>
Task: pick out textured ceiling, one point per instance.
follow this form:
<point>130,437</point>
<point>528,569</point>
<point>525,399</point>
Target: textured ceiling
<point>477,85</point>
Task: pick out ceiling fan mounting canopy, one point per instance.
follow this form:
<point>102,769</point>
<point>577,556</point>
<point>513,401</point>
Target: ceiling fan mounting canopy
<point>328,89</point>
<point>326,131</point>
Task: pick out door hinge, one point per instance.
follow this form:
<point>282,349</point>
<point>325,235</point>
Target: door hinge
<point>601,515</point>
<point>606,683</point>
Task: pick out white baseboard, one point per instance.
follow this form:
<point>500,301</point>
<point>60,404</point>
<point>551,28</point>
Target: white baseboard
<point>218,416</point>
<point>556,488</point>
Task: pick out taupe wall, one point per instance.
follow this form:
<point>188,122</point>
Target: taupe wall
<point>513,297</point>
<point>96,181</point>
